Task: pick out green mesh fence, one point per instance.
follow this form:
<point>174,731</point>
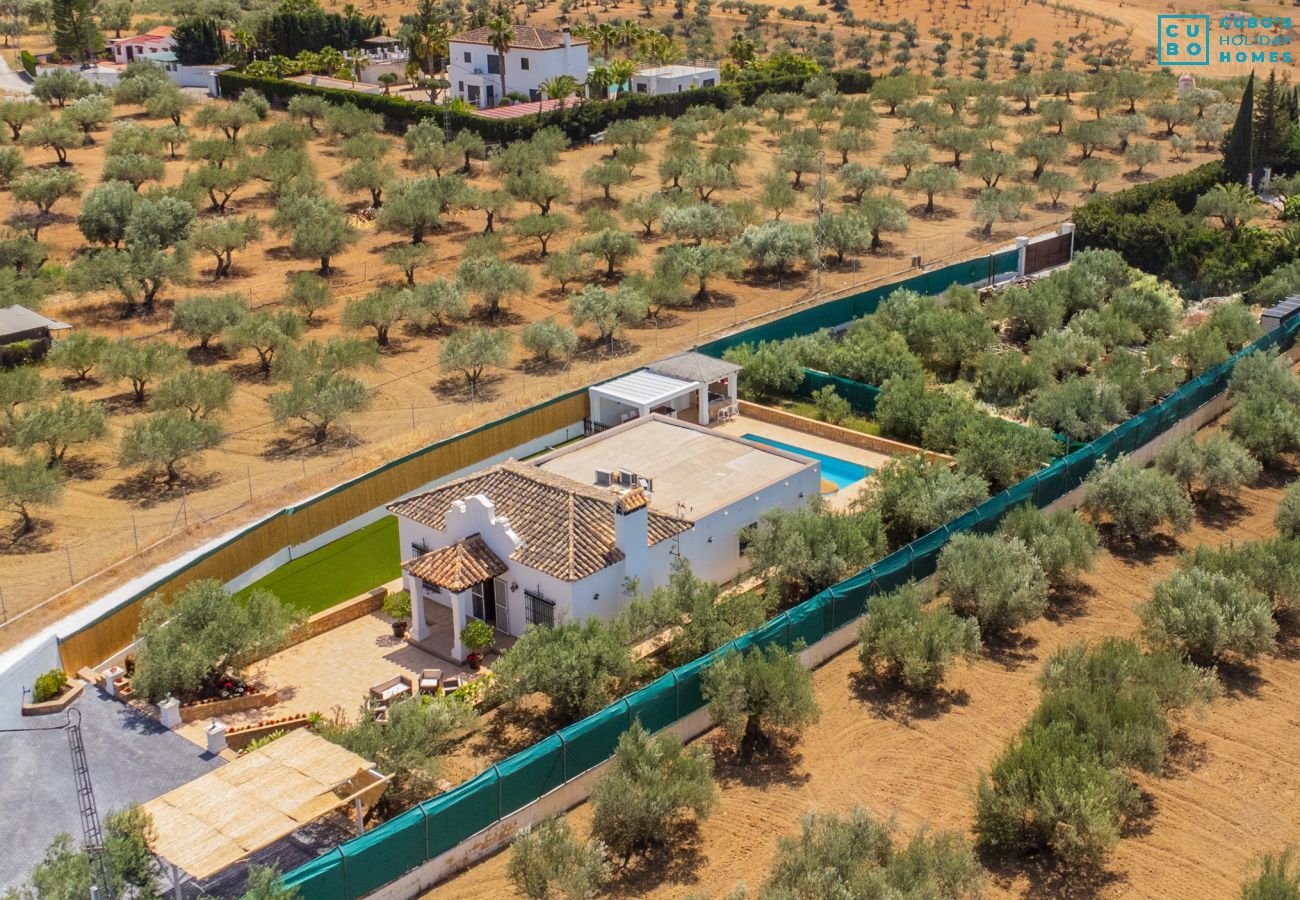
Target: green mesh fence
<point>834,313</point>
<point>862,397</point>
<point>436,826</point>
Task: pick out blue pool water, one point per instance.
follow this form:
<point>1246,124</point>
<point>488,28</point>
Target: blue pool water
<point>839,471</point>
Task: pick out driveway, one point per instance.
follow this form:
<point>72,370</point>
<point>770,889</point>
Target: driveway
<point>131,758</point>
<point>11,80</point>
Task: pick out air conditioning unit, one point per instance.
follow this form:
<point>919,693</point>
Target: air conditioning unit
<point>648,484</point>
<point>604,477</point>
<point>627,479</point>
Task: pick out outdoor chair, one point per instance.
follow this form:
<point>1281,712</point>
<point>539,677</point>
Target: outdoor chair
<point>450,685</point>
<point>391,689</point>
<point>430,681</point>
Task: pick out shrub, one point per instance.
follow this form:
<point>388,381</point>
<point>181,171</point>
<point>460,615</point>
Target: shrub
<point>1219,466</point>
<point>770,370</point>
<point>1265,417</point>
<point>1288,512</point>
<point>753,693</point>
<point>1270,567</point>
<point>264,883</point>
<point>1208,615</point>
<point>478,636</point>
<point>857,857</point>
<point>397,605</point>
<point>205,633</point>
<point>1278,878</point>
<point>49,685</point>
<point>408,743</point>
<point>808,549</point>
<point>1137,501</point>
<point>831,407</point>
<point>905,642</point>
<point>651,784</point>
<point>1048,791</point>
<point>914,496</point>
<point>1063,544</point>
<point>580,667</point>
<point>548,862</point>
<point>995,579</point>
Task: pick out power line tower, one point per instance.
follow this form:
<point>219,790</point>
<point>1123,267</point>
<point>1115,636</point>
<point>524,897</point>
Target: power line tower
<point>92,832</point>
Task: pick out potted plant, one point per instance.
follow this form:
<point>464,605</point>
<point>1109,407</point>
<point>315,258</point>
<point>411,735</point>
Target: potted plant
<point>478,637</point>
<point>397,606</point>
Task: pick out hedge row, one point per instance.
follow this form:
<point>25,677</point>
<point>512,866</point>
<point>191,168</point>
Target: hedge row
<point>578,123</point>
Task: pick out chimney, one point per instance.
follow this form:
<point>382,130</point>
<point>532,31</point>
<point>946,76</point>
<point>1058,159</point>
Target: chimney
<point>632,533</point>
<point>566,35</point>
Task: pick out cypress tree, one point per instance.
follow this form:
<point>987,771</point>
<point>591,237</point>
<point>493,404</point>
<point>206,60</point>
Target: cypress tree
<point>1239,157</point>
<point>1272,124</point>
<point>76,34</point>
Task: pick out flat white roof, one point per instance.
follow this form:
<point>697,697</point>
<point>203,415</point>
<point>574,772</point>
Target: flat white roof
<point>643,388</point>
<point>676,71</point>
<point>695,471</point>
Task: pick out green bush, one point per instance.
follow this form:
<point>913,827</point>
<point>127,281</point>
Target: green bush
<point>1209,615</point>
<point>994,579</point>
<point>858,856</point>
<point>768,371</point>
<point>1063,544</point>
<point>902,640</point>
<point>808,549</point>
<point>1291,209</point>
<point>49,685</point>
<point>649,787</point>
<point>1216,467</point>
<point>548,862</point>
<point>831,407</point>
<point>1278,878</point>
<point>20,353</point>
<point>397,605</point>
<point>1136,501</point>
<point>29,63</point>
<point>1288,512</point>
<point>1049,791</point>
<point>1270,567</point>
<point>754,693</point>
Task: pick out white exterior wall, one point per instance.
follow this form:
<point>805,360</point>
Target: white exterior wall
<point>542,64</point>
<point>719,559</point>
<point>142,49</point>
<point>674,84</point>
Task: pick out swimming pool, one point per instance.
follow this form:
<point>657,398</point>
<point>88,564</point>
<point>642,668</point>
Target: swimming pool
<point>839,472</point>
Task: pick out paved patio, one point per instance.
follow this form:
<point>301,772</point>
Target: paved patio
<point>334,670</point>
<point>739,426</point>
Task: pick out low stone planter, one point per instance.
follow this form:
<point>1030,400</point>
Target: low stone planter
<point>240,736</point>
<point>257,697</point>
<point>58,704</point>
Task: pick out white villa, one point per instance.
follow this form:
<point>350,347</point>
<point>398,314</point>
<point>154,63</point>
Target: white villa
<point>537,54</point>
<point>143,46</point>
<point>561,537</point>
<point>675,78</point>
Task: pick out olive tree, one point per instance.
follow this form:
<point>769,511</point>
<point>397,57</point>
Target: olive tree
<point>160,442</point>
<point>995,579</point>
<point>203,318</point>
<point>609,311</point>
<point>653,782</point>
<point>904,641</point>
<point>379,310</point>
<point>319,399</point>
<point>754,693</point>
<point>775,247</point>
<point>26,484</point>
<point>1216,468</point>
<point>141,363</point>
<point>579,666</point>
<point>197,392</point>
<point>58,426</point>
<point>493,279</point>
<point>471,352</point>
<point>1208,615</point>
<point>1063,544</point>
<point>549,340</point>
<point>548,862</point>
<point>316,226</point>
<point>1136,501</point>
<point>79,353</point>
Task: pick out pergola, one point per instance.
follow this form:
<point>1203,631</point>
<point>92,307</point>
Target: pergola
<point>218,819</point>
<point>661,387</point>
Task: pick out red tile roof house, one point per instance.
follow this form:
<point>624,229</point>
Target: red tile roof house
<point>562,536</point>
<point>142,46</point>
<point>535,55</point>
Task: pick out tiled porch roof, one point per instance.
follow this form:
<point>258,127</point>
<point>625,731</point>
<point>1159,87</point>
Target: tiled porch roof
<point>459,566</point>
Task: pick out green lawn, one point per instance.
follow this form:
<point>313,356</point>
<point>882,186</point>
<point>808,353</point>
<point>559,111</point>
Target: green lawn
<point>338,571</point>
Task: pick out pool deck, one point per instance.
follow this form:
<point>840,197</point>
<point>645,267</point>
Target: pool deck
<point>740,426</point>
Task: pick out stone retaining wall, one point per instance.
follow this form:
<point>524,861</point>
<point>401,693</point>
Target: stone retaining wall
<point>208,709</point>
<point>874,443</point>
<point>339,614</point>
<point>241,737</point>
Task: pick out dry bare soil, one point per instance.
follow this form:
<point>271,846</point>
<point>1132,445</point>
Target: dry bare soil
<point>109,515</point>
<point>1230,792</point>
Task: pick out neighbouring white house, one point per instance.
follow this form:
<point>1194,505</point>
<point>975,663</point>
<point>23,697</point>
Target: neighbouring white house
<point>673,79</point>
<point>535,55</point>
<point>384,55</point>
<point>563,536</point>
<point>143,46</point>
<point>689,385</point>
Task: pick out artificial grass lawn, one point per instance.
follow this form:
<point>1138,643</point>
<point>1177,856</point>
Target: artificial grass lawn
<point>854,422</point>
<point>338,571</point>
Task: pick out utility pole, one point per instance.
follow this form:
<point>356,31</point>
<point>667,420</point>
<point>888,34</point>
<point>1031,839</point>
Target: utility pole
<point>91,830</point>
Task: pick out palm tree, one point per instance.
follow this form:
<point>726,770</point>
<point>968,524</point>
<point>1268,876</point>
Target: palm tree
<point>607,35</point>
<point>599,80</point>
<point>659,49</point>
<point>621,71</point>
<point>501,37</point>
<point>629,33</point>
<point>558,87</point>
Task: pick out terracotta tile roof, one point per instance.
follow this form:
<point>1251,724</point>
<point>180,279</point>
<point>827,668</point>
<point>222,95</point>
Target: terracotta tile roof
<point>457,567</point>
<point>526,38</point>
<point>567,528</point>
<point>632,499</point>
